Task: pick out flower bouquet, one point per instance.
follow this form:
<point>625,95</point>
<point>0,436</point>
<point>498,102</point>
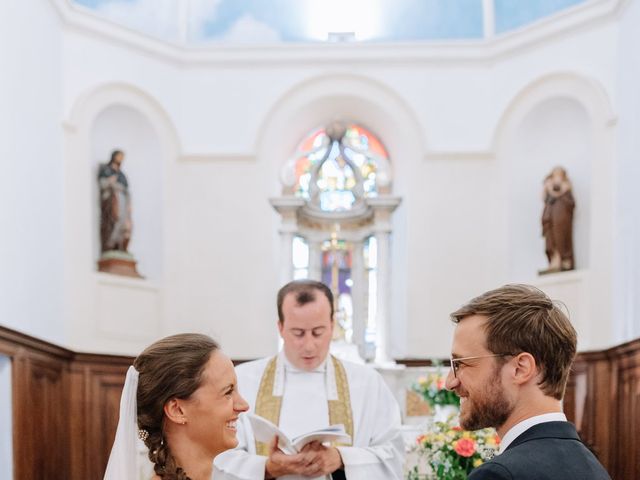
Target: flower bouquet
<point>431,388</point>
<point>446,452</point>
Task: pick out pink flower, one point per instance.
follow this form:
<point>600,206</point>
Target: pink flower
<point>465,447</point>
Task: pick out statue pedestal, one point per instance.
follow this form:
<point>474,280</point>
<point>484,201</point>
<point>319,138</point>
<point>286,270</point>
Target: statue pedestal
<point>118,263</point>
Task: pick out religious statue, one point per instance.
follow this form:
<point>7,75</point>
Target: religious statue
<point>115,218</point>
<point>557,221</point>
<point>115,205</point>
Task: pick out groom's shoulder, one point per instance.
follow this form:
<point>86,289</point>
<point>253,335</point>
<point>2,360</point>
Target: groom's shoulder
<point>492,470</point>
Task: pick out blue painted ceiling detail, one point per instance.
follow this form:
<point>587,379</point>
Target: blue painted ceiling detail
<point>276,21</point>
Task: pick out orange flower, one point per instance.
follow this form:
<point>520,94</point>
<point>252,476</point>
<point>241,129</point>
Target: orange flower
<point>420,438</point>
<point>457,428</point>
<point>465,447</point>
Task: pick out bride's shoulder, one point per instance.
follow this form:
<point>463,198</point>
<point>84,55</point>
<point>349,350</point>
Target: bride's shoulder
<point>156,477</point>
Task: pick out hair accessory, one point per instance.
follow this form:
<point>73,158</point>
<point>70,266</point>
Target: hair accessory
<point>143,434</point>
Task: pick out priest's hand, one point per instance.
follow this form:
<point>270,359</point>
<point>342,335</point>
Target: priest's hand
<point>313,461</point>
<point>327,459</point>
<point>309,462</point>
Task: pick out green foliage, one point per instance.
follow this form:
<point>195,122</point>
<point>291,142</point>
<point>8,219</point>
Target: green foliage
<point>432,389</point>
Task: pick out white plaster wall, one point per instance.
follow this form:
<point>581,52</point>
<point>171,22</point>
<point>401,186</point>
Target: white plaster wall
<point>627,176</point>
<point>222,127</point>
<point>223,254</point>
<point>31,195</point>
<point>450,245</point>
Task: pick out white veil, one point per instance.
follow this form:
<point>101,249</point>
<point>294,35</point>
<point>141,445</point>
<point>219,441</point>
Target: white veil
<point>123,459</point>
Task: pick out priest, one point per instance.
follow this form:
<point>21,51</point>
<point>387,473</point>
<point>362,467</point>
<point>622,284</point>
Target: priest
<point>303,389</point>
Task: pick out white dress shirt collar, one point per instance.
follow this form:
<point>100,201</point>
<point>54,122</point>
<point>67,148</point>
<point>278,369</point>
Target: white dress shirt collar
<point>519,428</point>
<point>283,365</point>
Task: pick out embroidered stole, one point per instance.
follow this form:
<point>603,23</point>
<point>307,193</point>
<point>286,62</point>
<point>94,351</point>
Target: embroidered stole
<point>268,405</point>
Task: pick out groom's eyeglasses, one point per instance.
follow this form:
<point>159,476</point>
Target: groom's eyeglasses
<point>455,362</point>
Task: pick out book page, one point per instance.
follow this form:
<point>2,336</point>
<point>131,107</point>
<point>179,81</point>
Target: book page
<point>264,431</point>
<point>333,433</point>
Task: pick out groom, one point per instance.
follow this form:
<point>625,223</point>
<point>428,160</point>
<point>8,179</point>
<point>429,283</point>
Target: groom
<point>511,356</point>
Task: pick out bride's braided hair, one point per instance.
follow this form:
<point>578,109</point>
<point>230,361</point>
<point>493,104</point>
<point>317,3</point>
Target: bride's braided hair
<point>170,368</point>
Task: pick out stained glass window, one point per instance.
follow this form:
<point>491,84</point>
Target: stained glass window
<point>336,274</point>
<point>338,170</point>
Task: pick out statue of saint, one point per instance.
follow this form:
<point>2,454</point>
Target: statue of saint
<point>115,205</point>
<point>557,221</point>
<point>115,219</point>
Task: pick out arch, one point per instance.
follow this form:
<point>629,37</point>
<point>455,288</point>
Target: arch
<point>580,107</point>
<point>84,116</point>
<point>91,103</point>
<point>586,91</point>
<point>87,294</point>
<point>318,100</point>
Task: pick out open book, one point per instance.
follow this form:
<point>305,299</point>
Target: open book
<point>264,431</point>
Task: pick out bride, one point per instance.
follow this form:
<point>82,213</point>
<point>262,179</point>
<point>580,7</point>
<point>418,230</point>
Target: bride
<point>180,397</point>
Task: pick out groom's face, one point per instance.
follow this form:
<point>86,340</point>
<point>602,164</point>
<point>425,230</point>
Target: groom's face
<point>484,402</point>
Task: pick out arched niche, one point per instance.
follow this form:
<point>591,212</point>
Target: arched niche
<point>124,128</point>
<point>556,132</point>
<point>111,313</point>
<point>561,119</point>
<point>353,99</point>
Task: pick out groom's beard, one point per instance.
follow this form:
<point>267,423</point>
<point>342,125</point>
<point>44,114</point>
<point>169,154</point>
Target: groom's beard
<point>487,408</point>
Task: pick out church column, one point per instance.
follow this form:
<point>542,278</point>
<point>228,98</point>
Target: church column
<point>286,254</point>
<point>358,277</point>
<point>383,207</point>
<point>287,207</point>
<point>315,259</point>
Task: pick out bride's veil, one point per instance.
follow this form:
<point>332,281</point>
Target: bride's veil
<point>123,459</point>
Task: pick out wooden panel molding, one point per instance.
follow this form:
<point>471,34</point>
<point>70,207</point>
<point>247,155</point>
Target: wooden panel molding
<point>39,418</point>
<point>603,400</point>
<point>65,408</point>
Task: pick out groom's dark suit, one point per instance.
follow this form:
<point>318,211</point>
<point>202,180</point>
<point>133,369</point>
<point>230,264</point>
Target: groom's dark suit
<point>547,451</point>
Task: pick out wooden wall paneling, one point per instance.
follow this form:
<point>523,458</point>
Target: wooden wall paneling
<point>65,408</point>
<point>104,407</point>
<point>40,406</point>
<point>575,393</point>
<point>601,394</point>
<point>627,453</point>
<point>102,381</point>
<point>79,453</point>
